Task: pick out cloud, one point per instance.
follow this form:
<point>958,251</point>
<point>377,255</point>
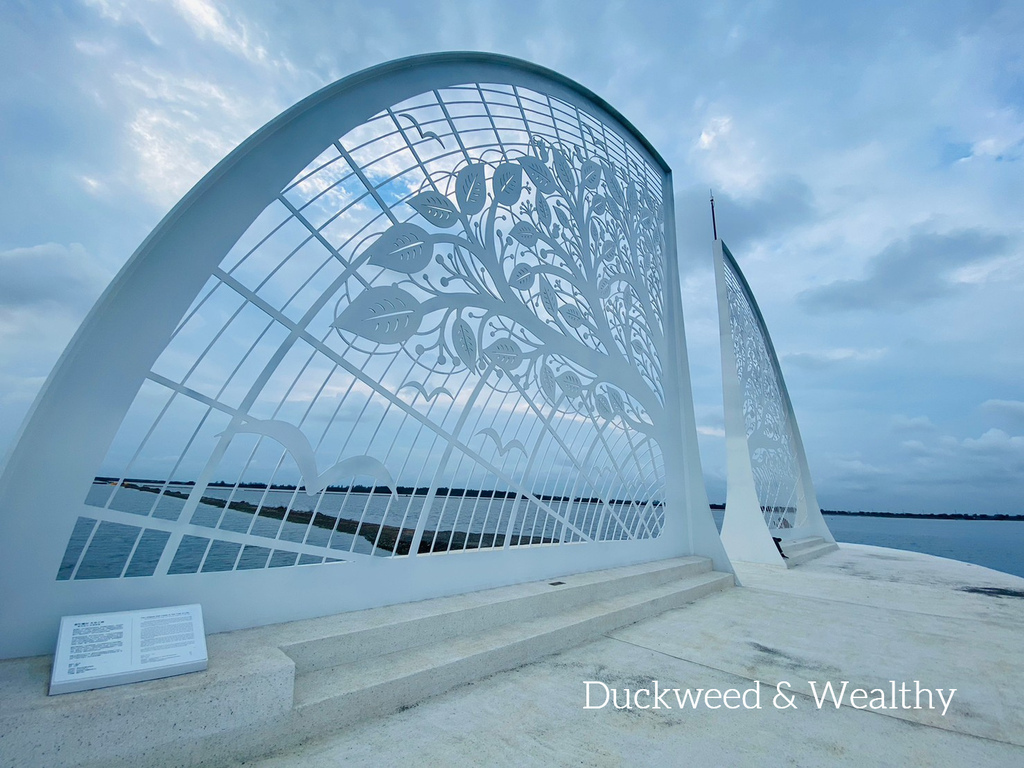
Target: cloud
<point>843,477</point>
<point>1009,408</point>
<point>855,469</point>
<point>173,152</point>
<point>189,80</point>
<point>778,205</point>
<point>207,21</point>
<point>912,424</point>
<point>47,277</point>
<point>827,133</point>
<point>908,272</point>
<point>944,460</point>
<point>728,155</point>
<point>831,358</point>
<point>45,292</point>
<point>996,442</point>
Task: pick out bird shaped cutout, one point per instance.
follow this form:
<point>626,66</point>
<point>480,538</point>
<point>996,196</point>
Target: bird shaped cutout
<point>297,445</point>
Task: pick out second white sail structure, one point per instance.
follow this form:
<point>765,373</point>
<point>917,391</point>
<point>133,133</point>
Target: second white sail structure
<point>771,507</point>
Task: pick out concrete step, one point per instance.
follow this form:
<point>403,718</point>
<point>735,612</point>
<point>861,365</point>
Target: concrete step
<point>809,553</point>
<point>378,686</point>
<point>354,636</point>
<point>271,688</point>
<point>796,546</point>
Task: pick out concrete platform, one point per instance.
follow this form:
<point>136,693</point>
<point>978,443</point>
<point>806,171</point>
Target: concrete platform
<point>800,551</point>
<point>279,686</point>
<point>864,614</point>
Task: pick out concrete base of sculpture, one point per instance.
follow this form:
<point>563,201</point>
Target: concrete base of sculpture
<point>799,549</point>
<point>803,550</point>
<point>281,685</point>
<point>863,614</point>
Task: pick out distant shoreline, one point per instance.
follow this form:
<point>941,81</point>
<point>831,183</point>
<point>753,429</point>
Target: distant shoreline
<point>914,515</point>
<point>475,493</point>
<point>161,486</point>
<point>926,516</point>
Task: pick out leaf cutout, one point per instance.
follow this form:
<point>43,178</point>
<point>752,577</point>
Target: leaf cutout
<point>525,233</point>
<point>613,187</point>
<point>521,277</point>
<point>604,408</point>
<point>471,189</point>
<point>616,400</point>
<point>563,170</point>
<point>538,173</point>
<point>505,354</point>
<point>387,315</point>
<point>547,383</point>
<point>548,297</point>
<point>570,384</point>
<point>631,196</point>
<point>591,174</point>
<point>543,211</point>
<point>508,183</point>
<point>599,206</point>
<point>465,342</point>
<point>604,287</point>
<point>402,248</point>
<point>435,208</point>
<point>572,315</point>
<point>607,249</point>
<point>563,217</point>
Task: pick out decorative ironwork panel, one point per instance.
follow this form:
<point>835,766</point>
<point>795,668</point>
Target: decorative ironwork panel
<point>444,334</point>
<point>770,494</point>
<point>769,434</point>
<point>432,309</point>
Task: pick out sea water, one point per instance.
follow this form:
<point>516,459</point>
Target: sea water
<point>996,544</point>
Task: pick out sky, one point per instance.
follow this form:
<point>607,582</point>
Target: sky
<point>867,161</point>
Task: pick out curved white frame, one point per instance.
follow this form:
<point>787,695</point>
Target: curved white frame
<point>745,532</point>
<point>80,407</point>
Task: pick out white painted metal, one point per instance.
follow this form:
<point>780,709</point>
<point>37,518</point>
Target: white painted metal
<point>769,493</point>
<point>450,271</point>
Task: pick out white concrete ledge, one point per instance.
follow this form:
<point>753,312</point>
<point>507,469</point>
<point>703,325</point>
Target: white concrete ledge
<point>865,614</point>
<point>800,551</point>
<point>275,687</point>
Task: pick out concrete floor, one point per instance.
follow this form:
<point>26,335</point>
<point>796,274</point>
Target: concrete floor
<point>866,615</point>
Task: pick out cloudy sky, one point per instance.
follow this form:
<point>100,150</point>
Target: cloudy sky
<point>867,160</point>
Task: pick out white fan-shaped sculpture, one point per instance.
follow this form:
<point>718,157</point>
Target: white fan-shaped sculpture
<point>431,309</point>
<point>769,493</point>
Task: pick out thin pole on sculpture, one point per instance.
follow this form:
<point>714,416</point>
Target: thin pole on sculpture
<point>714,227</point>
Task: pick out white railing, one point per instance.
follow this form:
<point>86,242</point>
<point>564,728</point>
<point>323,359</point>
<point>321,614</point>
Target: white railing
<point>432,309</point>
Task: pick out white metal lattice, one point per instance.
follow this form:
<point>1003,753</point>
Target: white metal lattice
<point>770,491</point>
<point>431,310</point>
<point>769,435</point>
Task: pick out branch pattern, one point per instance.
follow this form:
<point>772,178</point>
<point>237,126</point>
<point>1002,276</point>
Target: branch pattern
<point>545,267</point>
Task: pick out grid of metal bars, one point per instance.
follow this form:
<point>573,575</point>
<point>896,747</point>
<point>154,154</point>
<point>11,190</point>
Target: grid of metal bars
<point>769,433</point>
<point>465,458</point>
